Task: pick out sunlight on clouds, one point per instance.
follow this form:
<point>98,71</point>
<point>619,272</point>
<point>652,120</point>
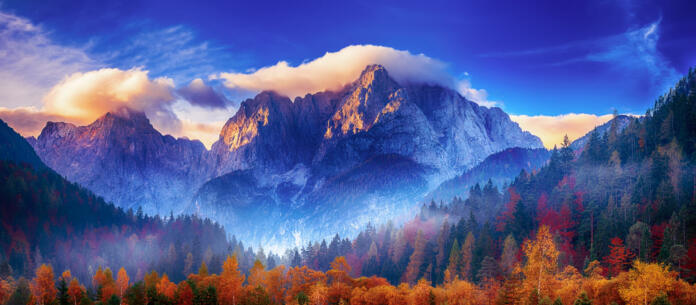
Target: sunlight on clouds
<point>551,129</point>
<point>83,97</point>
<point>28,121</point>
<point>86,96</point>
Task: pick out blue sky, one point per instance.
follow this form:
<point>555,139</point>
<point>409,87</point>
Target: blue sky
<point>531,58</point>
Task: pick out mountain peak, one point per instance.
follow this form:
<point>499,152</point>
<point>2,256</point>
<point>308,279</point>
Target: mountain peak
<point>122,118</point>
<point>373,74</point>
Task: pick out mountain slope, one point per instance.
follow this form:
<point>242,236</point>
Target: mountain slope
<point>621,121</point>
<point>121,157</point>
<point>16,149</point>
<point>46,219</point>
<point>382,148</point>
<point>500,168</point>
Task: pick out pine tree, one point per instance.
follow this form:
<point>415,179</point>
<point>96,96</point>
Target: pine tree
<point>413,270</point>
<point>583,299</point>
<point>467,255</point>
<point>454,259</point>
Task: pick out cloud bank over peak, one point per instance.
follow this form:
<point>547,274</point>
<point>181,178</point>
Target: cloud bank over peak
<point>334,70</point>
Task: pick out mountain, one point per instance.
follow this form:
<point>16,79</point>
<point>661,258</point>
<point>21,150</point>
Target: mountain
<point>16,149</point>
<point>500,168</point>
<point>359,155</point>
<point>374,148</point>
<point>621,122</point>
<point>46,219</point>
<point>121,157</point>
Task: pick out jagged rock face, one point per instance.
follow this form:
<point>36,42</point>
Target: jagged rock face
<point>433,125</point>
<point>124,159</point>
<point>366,99</point>
<point>263,135</point>
<point>344,147</point>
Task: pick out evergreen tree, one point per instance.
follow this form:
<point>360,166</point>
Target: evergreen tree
<point>583,299</point>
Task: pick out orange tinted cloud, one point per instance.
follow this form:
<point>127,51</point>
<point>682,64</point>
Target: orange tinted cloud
<point>28,121</point>
<point>551,129</point>
<point>83,97</point>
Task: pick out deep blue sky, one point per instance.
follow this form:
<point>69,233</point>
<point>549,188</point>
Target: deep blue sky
<point>542,57</point>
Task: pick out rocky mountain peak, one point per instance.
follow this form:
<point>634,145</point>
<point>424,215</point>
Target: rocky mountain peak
<point>373,74</point>
<point>364,101</point>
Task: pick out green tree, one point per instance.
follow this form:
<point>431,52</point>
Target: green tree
<point>135,295</point>
<point>22,293</point>
<point>302,298</point>
<point>114,300</point>
<point>583,299</point>
<point>63,298</point>
<point>661,300</point>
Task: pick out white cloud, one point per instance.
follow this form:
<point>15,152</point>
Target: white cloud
<point>334,70</point>
<point>636,50</point>
<point>31,63</point>
<point>479,96</point>
<point>551,129</point>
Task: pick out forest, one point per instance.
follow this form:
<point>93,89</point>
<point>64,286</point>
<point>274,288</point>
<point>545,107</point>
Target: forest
<point>614,222</point>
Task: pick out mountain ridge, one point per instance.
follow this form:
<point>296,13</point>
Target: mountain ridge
<point>291,148</point>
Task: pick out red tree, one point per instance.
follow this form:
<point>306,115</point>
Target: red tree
<point>619,257</point>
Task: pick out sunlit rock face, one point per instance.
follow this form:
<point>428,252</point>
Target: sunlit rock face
<point>121,157</point>
<point>262,135</point>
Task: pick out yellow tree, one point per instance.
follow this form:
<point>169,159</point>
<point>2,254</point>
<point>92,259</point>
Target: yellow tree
<point>166,288</point>
<point>467,254</point>
<point>318,294</point>
<point>420,294</point>
<point>108,287</point>
<point>644,282</point>
<point>230,283</point>
<point>43,286</point>
<point>66,276</point>
<point>5,290</point>
<point>257,275</point>
<point>416,261</point>
<point>75,291</point>
<point>275,284</point>
<point>341,283</point>
<point>461,292</point>
<point>99,278</point>
<point>542,260</point>
<point>340,270</point>
<point>122,282</point>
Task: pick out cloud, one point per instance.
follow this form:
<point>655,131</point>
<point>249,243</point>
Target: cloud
<point>479,96</point>
<point>636,51</point>
<point>83,97</point>
<point>334,70</point>
<point>551,129</point>
<point>176,51</point>
<point>200,94</point>
<point>31,63</point>
<point>28,121</point>
<point>86,96</point>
